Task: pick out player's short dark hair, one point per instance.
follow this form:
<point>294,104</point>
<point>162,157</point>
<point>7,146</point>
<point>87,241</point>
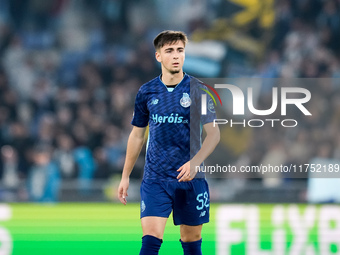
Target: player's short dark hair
<point>169,37</point>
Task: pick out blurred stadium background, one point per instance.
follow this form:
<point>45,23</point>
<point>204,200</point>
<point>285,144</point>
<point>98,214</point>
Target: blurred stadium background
<point>69,73</point>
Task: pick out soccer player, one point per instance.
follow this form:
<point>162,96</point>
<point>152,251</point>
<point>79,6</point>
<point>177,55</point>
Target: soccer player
<point>171,105</point>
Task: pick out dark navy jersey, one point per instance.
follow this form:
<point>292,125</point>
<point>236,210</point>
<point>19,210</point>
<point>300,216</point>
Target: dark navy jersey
<point>175,125</point>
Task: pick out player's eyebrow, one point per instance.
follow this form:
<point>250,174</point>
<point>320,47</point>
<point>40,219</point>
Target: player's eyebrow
<point>171,48</point>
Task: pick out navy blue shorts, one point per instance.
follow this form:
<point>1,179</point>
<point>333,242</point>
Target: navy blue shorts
<point>189,201</point>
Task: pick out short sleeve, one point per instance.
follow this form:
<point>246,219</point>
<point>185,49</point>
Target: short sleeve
<point>211,114</point>
<point>141,112</point>
<point>197,89</point>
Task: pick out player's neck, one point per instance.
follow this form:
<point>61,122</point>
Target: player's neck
<point>171,79</point>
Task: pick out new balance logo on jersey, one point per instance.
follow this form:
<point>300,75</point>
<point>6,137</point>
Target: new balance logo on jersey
<point>172,118</point>
<point>154,101</point>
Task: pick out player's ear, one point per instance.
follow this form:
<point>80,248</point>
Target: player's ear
<point>158,56</point>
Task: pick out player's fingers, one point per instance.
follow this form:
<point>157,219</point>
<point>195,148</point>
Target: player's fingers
<point>121,200</point>
<point>180,174</point>
<point>122,194</point>
<point>184,177</point>
<point>180,169</point>
<point>125,194</point>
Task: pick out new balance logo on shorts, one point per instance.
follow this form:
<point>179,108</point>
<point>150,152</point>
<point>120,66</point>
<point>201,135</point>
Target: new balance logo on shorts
<point>203,214</point>
<point>142,206</point>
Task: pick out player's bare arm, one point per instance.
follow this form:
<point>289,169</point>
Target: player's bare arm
<point>187,171</point>
<point>134,146</point>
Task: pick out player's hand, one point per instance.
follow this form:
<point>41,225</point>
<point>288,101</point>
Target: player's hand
<point>122,190</point>
<point>185,173</point>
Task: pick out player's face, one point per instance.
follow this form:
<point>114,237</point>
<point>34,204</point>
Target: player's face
<point>171,56</point>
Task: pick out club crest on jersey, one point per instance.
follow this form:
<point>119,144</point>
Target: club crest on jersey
<point>211,107</point>
<point>185,100</point>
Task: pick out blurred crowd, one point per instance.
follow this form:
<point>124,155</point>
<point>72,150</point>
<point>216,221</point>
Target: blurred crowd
<point>304,52</point>
<point>67,87</point>
<point>70,71</point>
<point>305,45</point>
